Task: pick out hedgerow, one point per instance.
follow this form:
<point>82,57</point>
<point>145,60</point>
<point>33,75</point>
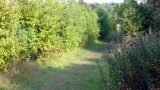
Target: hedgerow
<point>8,25</point>
<point>32,28</point>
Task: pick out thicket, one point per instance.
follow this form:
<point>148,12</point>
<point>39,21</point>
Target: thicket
<point>134,63</point>
<point>8,27</point>
<point>134,59</point>
<point>32,28</point>
<point>137,17</point>
<point>106,20</point>
<point>128,17</point>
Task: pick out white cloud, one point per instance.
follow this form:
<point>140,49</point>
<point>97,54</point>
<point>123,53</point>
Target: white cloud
<point>103,1</point>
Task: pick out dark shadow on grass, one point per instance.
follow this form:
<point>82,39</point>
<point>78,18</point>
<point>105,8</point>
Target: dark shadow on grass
<point>34,79</point>
<point>82,76</point>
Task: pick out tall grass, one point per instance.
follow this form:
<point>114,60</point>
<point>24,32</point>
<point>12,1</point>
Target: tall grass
<point>135,63</point>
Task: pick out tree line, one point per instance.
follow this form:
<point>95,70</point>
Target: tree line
<point>30,29</point>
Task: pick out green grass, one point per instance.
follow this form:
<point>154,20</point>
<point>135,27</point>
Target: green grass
<point>76,70</point>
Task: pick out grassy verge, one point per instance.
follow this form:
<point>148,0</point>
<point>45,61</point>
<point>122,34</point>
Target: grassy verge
<point>76,70</point>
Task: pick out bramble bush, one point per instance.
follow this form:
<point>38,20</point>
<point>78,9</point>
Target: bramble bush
<point>30,29</point>
<point>135,63</point>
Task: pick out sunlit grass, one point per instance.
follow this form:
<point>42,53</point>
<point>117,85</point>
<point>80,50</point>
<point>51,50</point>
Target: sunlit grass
<point>76,70</point>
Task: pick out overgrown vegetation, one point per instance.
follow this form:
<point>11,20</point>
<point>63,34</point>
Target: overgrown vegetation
<point>134,63</point>
<point>33,28</point>
<point>74,70</point>
<point>106,20</point>
<point>41,30</point>
<point>134,59</point>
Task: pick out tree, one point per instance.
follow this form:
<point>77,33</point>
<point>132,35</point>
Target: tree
<point>105,21</point>
<point>128,16</point>
<point>150,16</point>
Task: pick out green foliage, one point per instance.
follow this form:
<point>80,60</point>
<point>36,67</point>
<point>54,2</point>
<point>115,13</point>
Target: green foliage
<point>33,28</point>
<point>138,17</point>
<point>26,33</point>
<point>134,63</point>
<point>92,26</point>
<point>150,16</point>
<point>134,60</point>
<point>128,17</point>
<point>105,20</point>
<point>8,26</point>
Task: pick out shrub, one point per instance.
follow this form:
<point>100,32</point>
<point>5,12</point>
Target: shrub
<point>134,63</point>
<point>27,32</point>
<point>34,28</point>
<point>8,41</point>
<point>106,21</point>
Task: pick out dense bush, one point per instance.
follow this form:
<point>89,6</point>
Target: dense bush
<point>134,63</point>
<point>128,17</point>
<point>134,16</point>
<point>105,20</point>
<point>8,25</point>
<point>32,28</point>
<point>134,60</point>
<point>149,12</point>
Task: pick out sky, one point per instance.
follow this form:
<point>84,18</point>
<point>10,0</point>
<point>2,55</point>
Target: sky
<point>103,1</point>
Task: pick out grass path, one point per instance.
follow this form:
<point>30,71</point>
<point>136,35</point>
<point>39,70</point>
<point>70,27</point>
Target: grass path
<point>76,70</point>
